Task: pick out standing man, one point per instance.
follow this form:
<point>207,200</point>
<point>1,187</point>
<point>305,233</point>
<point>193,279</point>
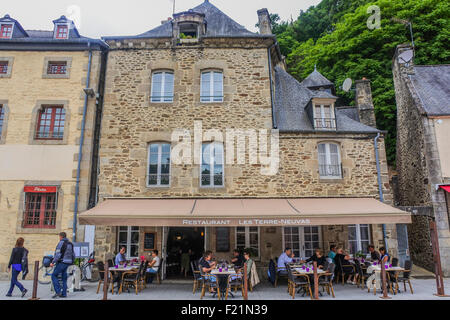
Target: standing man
<point>64,258</point>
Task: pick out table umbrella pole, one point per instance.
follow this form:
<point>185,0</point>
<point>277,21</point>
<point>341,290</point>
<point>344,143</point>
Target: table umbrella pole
<point>316,282</point>
<point>383,281</point>
<point>106,282</point>
<point>245,282</point>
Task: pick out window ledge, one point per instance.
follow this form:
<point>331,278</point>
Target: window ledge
<point>332,180</point>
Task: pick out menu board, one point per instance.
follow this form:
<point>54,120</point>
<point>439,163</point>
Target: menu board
<point>222,240</point>
<point>150,241</point>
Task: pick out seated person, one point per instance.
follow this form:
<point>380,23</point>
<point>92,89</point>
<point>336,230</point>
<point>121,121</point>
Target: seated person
<point>153,265</point>
<point>238,259</point>
<point>332,253</point>
<point>384,256</point>
<point>319,258</point>
<point>206,265</point>
<point>120,257</point>
<point>343,259</point>
<point>374,255</point>
<point>285,257</point>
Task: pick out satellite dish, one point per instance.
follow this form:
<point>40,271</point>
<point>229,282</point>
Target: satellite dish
<point>347,85</point>
<point>406,56</point>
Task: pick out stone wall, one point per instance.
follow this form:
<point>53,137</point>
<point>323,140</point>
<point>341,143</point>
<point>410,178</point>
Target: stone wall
<point>23,91</point>
<point>418,167</point>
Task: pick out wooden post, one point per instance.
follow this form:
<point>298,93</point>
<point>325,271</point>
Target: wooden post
<point>437,260</point>
<point>106,282</point>
<point>245,282</point>
<point>35,281</point>
<point>383,281</point>
<point>316,282</point>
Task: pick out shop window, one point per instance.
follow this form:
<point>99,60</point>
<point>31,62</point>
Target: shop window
<point>302,240</point>
<point>359,238</point>
<point>248,238</point>
<point>129,238</point>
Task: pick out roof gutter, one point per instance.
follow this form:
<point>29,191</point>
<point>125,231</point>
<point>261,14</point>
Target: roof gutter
<point>80,152</point>
<point>380,185</point>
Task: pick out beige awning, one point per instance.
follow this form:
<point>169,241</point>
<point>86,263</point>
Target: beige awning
<point>242,212</point>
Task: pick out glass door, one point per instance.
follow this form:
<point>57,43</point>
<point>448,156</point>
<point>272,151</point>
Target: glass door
<point>129,238</point>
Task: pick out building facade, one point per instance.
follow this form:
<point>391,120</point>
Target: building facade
<point>423,165</point>
<point>201,74</point>
<point>43,75</point>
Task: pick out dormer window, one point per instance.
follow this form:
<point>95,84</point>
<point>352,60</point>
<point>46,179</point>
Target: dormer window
<point>188,31</point>
<point>62,31</point>
<point>6,30</point>
<point>324,117</point>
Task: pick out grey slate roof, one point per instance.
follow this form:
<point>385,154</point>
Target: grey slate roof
<point>218,25</point>
<point>45,40</point>
<point>432,85</point>
<point>291,98</point>
<point>316,79</point>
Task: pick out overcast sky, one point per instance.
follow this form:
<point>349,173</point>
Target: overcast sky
<point>96,18</point>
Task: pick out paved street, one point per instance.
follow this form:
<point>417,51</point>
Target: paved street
<point>423,290</point>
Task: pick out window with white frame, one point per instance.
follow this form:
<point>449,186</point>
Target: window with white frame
<point>129,238</point>
<point>324,117</point>
<point>211,86</point>
<point>159,165</point>
<point>302,240</point>
<point>162,87</point>
<point>212,169</point>
<point>359,238</point>
<point>330,166</point>
<point>247,238</point>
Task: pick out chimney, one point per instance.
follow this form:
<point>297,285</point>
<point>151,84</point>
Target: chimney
<point>165,21</point>
<point>364,103</point>
<point>265,25</point>
<point>404,58</point>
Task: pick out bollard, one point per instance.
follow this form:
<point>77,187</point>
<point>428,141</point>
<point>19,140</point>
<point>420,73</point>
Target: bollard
<point>35,281</point>
<point>106,282</point>
<point>245,282</point>
<point>383,281</point>
<point>316,282</point>
<point>437,260</point>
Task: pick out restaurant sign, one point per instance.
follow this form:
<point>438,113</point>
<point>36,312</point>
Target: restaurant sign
<point>247,222</point>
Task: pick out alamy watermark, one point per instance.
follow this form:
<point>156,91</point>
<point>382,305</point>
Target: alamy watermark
<point>374,21</point>
<point>239,146</point>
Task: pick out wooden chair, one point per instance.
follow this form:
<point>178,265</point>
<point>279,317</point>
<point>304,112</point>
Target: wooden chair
<point>130,278</point>
<point>197,277</point>
<point>158,274</point>
<point>211,283</point>
<point>362,274</point>
<point>341,272</point>
<point>142,278</point>
<point>405,278</point>
<point>101,270</point>
<point>326,279</point>
<point>296,280</point>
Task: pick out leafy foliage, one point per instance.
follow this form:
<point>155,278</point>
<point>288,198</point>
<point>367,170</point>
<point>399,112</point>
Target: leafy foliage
<point>334,35</point>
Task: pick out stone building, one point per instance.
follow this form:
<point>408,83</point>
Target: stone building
<point>196,80</point>
<point>423,152</point>
<point>43,75</point>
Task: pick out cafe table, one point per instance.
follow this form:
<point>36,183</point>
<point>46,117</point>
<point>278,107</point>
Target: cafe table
<point>222,279</point>
<point>309,271</point>
<point>376,270</point>
<point>120,270</point>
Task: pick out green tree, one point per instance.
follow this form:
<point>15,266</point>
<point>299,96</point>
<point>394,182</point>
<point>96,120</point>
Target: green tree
<point>347,48</point>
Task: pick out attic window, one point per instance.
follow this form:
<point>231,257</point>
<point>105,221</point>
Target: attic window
<point>188,31</point>
<point>6,31</point>
<point>324,117</point>
<point>62,31</point>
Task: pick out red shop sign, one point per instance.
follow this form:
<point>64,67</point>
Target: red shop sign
<point>36,189</point>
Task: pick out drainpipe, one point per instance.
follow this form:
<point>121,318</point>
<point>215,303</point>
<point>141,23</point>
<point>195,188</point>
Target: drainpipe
<point>380,185</point>
<point>274,122</point>
<point>80,152</point>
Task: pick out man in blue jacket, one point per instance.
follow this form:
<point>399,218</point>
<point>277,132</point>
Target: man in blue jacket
<point>63,259</point>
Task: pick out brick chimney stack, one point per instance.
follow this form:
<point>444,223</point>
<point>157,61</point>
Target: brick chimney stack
<point>364,103</point>
<point>265,24</point>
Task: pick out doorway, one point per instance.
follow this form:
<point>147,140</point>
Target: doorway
<point>302,240</point>
<point>183,241</point>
